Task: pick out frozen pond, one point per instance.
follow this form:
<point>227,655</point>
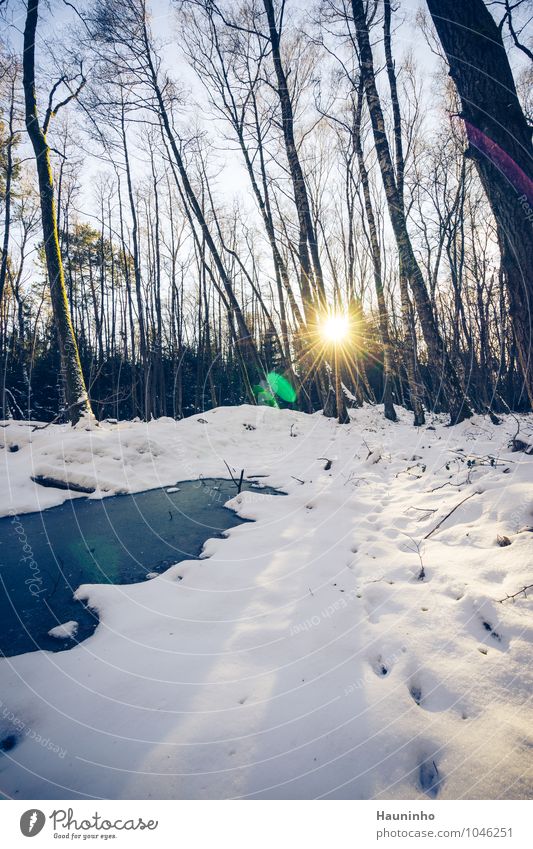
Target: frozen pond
<point>44,557</point>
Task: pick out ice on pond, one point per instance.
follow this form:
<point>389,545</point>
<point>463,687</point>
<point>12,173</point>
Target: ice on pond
<point>121,539</point>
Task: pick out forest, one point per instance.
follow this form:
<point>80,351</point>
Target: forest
<point>313,205</point>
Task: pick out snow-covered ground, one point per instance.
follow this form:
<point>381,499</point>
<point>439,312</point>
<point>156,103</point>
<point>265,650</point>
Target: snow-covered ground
<point>346,645</point>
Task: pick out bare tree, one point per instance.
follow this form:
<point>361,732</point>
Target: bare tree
<point>77,399</point>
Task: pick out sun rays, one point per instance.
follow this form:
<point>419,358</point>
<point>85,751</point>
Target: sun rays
<point>335,328</point>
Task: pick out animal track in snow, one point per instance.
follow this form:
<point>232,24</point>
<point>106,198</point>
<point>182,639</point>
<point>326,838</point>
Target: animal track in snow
<point>415,692</point>
<point>380,668</point>
<point>8,743</point>
<point>488,627</point>
<point>429,778</point>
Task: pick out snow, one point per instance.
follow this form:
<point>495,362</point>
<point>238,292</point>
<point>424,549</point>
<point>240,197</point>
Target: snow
<point>350,643</point>
<point>67,629</point>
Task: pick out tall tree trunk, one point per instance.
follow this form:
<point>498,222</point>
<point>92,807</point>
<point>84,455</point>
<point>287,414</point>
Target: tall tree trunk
<point>416,391</point>
<point>500,145</point>
<point>7,197</point>
<point>143,342</point>
<point>76,396</point>
<point>388,406</point>
<point>307,245</point>
<point>409,332</point>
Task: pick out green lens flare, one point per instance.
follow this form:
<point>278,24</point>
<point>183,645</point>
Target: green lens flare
<point>281,387</point>
<point>264,396</point>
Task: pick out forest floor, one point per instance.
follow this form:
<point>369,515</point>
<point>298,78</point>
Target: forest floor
<point>349,643</point>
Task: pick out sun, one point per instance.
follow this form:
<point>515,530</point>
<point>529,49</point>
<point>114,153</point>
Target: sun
<point>335,328</point>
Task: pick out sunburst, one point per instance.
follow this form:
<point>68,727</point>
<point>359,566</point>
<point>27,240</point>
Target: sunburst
<point>335,328</point>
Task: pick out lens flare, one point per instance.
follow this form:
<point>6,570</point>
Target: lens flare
<point>335,328</point>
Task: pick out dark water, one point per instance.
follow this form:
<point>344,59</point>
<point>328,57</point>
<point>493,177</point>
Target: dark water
<point>44,557</point>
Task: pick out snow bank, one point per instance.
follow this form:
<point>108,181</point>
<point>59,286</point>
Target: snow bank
<point>350,643</point>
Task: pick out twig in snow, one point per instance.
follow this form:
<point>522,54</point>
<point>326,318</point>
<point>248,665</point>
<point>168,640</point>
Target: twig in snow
<point>370,451</point>
<point>238,483</point>
<point>416,547</point>
<point>468,497</point>
<point>516,594</point>
<point>355,480</point>
<point>297,479</point>
<point>517,420</point>
<point>407,471</point>
<point>43,427</point>
<point>448,483</point>
<point>426,511</point>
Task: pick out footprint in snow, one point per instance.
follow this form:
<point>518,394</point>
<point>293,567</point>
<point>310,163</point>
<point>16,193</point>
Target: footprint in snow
<point>415,692</point>
<point>483,621</point>
<point>494,634</point>
<point>380,668</point>
<point>429,778</point>
<point>8,743</point>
